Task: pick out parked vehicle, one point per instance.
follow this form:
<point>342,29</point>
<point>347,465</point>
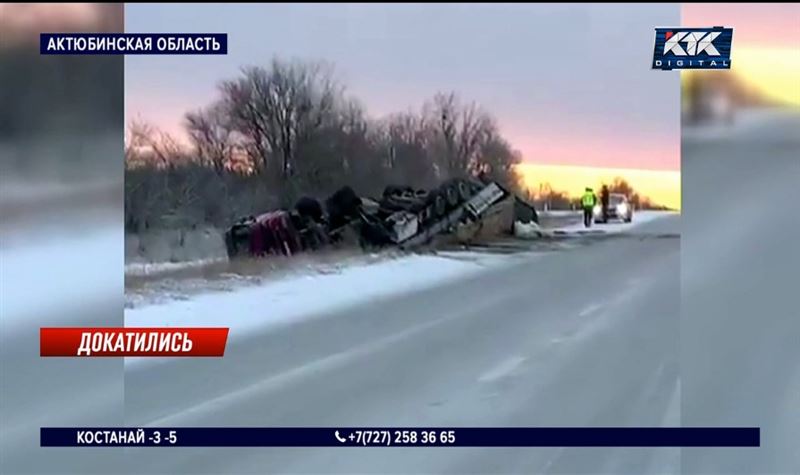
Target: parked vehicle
<point>619,207</point>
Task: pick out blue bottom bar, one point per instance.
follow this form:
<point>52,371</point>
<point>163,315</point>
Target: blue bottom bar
<point>402,437</point>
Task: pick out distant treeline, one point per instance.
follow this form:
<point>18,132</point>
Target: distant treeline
<point>547,197</point>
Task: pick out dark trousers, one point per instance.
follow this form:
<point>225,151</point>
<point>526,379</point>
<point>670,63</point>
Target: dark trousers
<point>587,217</point>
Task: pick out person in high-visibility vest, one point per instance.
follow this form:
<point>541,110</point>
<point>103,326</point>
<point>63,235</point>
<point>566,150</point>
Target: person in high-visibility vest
<point>588,200</point>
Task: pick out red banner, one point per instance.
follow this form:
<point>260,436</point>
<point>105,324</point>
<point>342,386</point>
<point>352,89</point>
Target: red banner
<point>132,341</point>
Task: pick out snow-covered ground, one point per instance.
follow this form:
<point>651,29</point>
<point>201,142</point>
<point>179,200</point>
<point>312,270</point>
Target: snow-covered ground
<point>639,217</point>
<point>155,268</point>
<point>244,309</point>
<point>559,213</point>
<point>297,297</point>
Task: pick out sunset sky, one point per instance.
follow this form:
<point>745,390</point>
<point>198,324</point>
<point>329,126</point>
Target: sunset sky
<point>544,71</point>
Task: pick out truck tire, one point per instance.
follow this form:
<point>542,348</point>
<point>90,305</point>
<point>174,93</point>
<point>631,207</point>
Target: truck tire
<point>308,207</point>
<point>439,205</point>
<point>464,193</point>
<point>342,207</point>
<point>397,190</point>
<point>450,193</point>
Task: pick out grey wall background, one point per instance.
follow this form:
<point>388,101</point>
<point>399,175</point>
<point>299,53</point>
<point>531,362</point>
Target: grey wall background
<point>61,239</point>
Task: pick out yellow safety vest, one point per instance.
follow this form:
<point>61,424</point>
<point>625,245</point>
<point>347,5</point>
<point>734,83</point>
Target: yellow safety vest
<point>587,200</point>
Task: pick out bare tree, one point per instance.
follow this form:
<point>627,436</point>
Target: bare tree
<point>463,131</point>
<point>620,185</point>
<point>279,107</point>
<point>211,136</point>
<point>445,111</point>
<point>245,118</point>
<point>146,144</point>
<point>550,199</point>
<point>411,158</point>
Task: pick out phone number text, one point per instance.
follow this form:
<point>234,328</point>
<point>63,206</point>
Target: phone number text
<point>402,437</point>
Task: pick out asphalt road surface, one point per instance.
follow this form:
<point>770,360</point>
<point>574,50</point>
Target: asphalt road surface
<point>581,337</point>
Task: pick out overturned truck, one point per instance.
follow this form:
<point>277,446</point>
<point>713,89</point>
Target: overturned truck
<point>404,217</point>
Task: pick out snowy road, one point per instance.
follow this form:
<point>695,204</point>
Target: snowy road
<point>583,336</point>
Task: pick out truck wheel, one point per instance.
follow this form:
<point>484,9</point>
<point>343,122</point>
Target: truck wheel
<point>464,193</point>
<point>439,206</point>
<point>451,194</point>
<point>391,190</point>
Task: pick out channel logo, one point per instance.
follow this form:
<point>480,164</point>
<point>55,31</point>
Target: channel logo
<point>693,48</point>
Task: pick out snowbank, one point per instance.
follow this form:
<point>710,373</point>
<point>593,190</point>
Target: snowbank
<point>527,230</point>
<point>154,268</point>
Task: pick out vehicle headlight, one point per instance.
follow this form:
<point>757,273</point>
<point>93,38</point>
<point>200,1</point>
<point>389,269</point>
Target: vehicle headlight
<point>598,209</point>
<point>622,208</point>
